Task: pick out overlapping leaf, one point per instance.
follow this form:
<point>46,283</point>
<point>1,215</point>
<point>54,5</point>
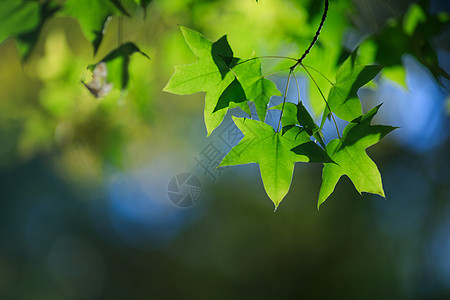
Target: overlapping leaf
<point>342,98</point>
<point>351,157</point>
<point>272,151</point>
<point>227,80</point>
<point>93,16</point>
<point>289,116</point>
<point>17,17</point>
<point>112,70</point>
<point>294,114</point>
<point>24,20</point>
<point>258,89</point>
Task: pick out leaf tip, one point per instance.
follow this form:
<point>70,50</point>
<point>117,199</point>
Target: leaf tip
<point>319,203</point>
<point>237,119</point>
<point>276,206</point>
<point>144,54</point>
<point>183,30</point>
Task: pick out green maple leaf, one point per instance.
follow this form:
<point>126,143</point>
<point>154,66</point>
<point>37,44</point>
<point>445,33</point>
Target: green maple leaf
<point>351,157</point>
<point>116,72</point>
<point>227,80</point>
<point>118,61</point>
<point>93,16</point>
<point>289,116</point>
<point>257,88</point>
<point>24,20</point>
<point>343,99</point>
<point>17,17</point>
<point>272,151</point>
<point>297,114</point>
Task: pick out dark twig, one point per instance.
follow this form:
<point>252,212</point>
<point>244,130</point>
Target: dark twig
<point>299,62</point>
<point>324,16</point>
<point>316,37</point>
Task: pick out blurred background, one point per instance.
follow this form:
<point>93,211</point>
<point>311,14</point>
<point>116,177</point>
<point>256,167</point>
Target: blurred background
<point>84,205</point>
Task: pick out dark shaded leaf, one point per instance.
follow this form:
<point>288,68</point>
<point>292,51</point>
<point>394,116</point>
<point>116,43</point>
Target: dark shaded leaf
<point>92,17</point>
<point>115,71</point>
<point>24,20</point>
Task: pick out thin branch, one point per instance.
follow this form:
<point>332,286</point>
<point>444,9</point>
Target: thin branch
<point>326,102</point>
<point>316,37</point>
<point>324,16</point>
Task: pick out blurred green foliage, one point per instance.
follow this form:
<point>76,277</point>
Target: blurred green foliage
<point>62,153</point>
<point>55,112</point>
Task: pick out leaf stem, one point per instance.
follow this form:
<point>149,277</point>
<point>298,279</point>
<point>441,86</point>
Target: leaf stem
<point>259,57</point>
<point>298,89</point>
<point>326,102</point>
<point>275,72</point>
<point>284,99</point>
<point>276,56</point>
<point>320,73</point>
